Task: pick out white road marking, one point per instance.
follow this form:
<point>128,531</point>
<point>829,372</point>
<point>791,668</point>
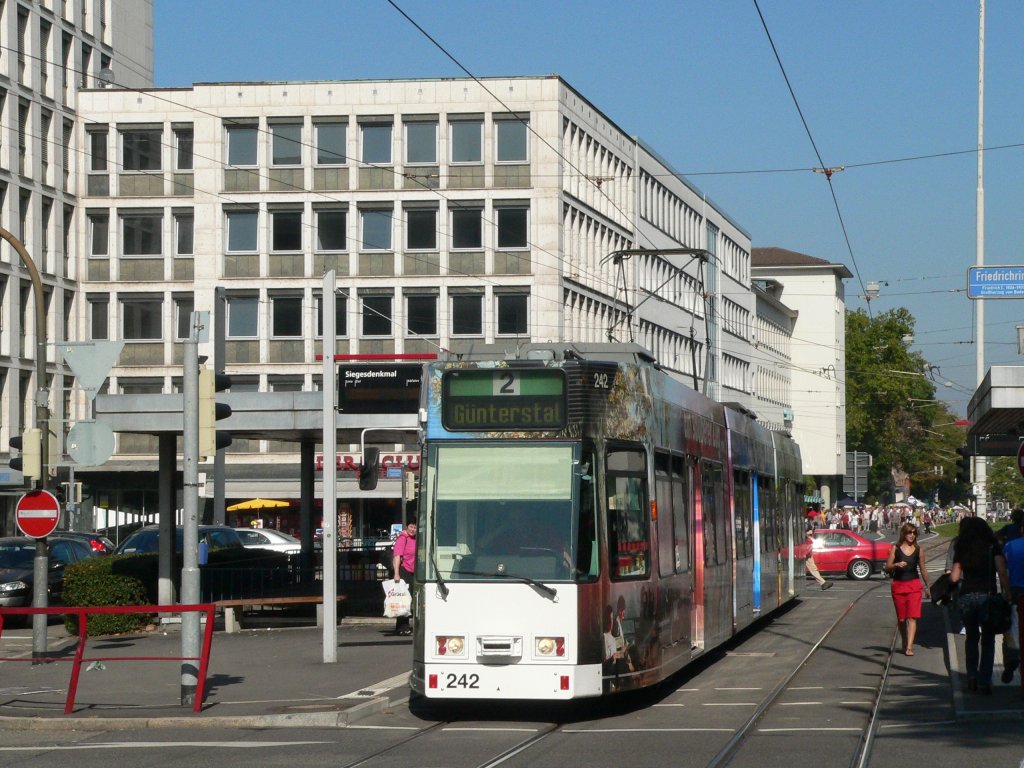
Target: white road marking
<point>157,744</point>
<point>496,730</point>
<point>378,688</point>
<point>808,688</point>
<point>737,689</point>
<point>801,703</point>
<point>731,704</point>
<point>805,730</point>
<point>670,705</point>
<point>916,725</point>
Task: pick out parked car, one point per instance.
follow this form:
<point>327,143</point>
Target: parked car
<point>147,539</point>
<point>268,538</point>
<point>17,566</point>
<point>839,552</point>
<point>99,543</point>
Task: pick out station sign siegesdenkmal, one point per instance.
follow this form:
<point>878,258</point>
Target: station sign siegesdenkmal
<point>1002,282</point>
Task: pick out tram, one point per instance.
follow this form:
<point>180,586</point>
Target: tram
<point>589,525</point>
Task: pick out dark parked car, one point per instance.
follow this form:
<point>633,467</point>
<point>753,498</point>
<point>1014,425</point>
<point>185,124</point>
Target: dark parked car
<point>17,555</point>
<point>99,543</point>
<point>147,539</point>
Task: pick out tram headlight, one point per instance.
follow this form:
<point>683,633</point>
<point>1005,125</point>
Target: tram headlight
<point>550,646</point>
<point>450,645</point>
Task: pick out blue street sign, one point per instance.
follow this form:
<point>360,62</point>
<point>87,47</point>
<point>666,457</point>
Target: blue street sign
<point>1005,282</point>
<point>393,472</point>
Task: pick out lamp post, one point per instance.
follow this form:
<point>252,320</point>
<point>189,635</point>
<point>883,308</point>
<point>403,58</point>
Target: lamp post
<point>40,567</point>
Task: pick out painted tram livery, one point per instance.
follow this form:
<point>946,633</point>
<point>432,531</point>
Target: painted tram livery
<point>589,525</point>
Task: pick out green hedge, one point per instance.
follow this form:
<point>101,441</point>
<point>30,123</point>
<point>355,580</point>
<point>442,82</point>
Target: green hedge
<point>112,580</point>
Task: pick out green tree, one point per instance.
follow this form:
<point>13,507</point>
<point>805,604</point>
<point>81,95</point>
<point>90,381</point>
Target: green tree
<point>892,412</point>
<point>1004,480</point>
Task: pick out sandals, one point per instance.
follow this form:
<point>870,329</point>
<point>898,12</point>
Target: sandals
<point>405,631</point>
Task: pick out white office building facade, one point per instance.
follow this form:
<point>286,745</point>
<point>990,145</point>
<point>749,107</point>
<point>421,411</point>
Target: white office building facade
<point>454,212</point>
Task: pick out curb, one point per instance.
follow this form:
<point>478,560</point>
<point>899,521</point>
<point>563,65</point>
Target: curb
<point>375,706</point>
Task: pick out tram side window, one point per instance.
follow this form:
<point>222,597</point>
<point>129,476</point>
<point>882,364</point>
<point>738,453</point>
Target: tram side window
<point>681,509</point>
<point>628,528</point>
<point>769,514</point>
<point>663,496</point>
<point>714,513</point>
<point>744,513</point>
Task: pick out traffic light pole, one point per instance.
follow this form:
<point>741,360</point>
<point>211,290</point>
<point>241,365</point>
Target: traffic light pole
<point>190,634</point>
<point>40,564</point>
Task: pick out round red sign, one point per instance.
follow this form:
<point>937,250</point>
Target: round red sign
<point>37,514</point>
<point>1020,458</point>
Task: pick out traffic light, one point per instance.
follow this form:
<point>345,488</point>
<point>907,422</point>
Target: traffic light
<point>30,463</point>
<point>963,472</point>
<point>369,469</point>
<point>211,439</point>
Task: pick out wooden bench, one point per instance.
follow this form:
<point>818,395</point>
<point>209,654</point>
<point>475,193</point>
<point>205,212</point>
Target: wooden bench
<point>233,609</point>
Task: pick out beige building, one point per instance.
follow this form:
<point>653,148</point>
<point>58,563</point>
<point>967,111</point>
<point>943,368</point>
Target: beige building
<point>51,50</point>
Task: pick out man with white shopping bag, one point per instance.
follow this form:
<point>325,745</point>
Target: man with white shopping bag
<point>404,562</point>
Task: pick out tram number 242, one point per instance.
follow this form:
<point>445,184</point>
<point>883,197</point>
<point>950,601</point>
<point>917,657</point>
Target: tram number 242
<point>453,680</point>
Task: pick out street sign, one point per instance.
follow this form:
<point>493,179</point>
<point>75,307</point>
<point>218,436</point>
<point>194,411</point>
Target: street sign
<point>37,514</point>
<point>1020,458</point>
<point>90,443</point>
<point>1005,282</point>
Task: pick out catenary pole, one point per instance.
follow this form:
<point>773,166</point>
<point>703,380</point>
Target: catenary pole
<point>330,474</point>
<point>190,535</point>
<point>980,467</point>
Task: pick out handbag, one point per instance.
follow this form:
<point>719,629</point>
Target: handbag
<point>996,618</point>
<point>397,599</point>
<point>943,590</point>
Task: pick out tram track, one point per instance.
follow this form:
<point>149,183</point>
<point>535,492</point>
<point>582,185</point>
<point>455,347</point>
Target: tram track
<point>861,755</point>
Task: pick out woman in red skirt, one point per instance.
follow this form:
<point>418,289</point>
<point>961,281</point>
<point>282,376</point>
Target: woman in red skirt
<point>907,567</point>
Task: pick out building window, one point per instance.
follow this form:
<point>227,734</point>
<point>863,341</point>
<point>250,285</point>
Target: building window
<point>421,315</point>
<point>511,311</point>
<point>183,149</point>
<point>183,309</point>
<point>141,149</point>
<point>330,144</point>
<point>421,229</point>
<point>286,144</point>
<point>242,231</point>
<point>242,145</point>
<point>512,143</point>
<point>286,231</point>
<point>141,319</point>
<point>99,234</point>
<point>512,227</point>
<point>420,143</point>
<point>243,317</point>
<point>340,315</point>
<point>467,141</point>
<point>98,314</point>
<point>287,317</point>
<point>467,315</point>
<point>184,227</point>
<point>376,143</point>
<point>142,234</point>
<point>330,230</point>
<point>376,230</point>
<point>467,228</point>
<point>98,151</point>
<point>376,315</point>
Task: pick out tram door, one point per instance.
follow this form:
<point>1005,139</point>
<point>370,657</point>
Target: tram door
<point>674,559</point>
<point>718,594</point>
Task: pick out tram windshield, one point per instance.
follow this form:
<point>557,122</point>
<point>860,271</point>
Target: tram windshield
<point>507,511</point>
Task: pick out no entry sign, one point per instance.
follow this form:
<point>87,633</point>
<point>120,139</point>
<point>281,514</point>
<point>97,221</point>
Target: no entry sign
<point>37,514</point>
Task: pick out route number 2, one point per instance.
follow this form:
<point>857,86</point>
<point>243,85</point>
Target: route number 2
<point>505,383</point>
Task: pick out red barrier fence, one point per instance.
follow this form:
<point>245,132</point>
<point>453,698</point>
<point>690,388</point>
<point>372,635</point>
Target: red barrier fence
<point>83,613</point>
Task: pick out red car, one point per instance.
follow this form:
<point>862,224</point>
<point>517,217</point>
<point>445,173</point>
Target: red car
<point>839,551</point>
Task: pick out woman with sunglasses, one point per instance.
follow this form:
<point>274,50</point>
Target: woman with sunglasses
<point>907,567</point>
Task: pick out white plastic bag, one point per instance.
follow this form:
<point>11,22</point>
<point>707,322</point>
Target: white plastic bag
<point>397,599</point>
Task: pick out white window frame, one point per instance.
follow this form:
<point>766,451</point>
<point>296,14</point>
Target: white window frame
<point>451,141</point>
<point>480,215</point>
<point>407,212</point>
<point>391,317</point>
<point>343,159</point>
<point>273,213</point>
<point>497,314</point>
<point>256,320</point>
<point>179,301</point>
<point>498,125</point>
<point>285,297</point>
<point>317,212</point>
<point>179,133</point>
<point>498,210</point>
<point>156,214</point>
<point>451,314</point>
<point>362,230</point>
<point>156,299</point>
<point>406,144</point>
<point>91,218</point>
<point>318,331</point>
<point>409,332</point>
<point>228,129</point>
<point>227,231</point>
<point>391,144</point>
<point>178,217</point>
<point>273,139</point>
<point>123,132</point>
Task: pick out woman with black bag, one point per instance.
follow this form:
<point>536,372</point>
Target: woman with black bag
<point>977,559</point>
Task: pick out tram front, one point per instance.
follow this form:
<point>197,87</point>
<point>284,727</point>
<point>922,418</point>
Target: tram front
<point>508,556</point>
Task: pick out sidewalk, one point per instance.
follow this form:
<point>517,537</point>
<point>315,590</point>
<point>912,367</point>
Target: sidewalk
<point>257,678</point>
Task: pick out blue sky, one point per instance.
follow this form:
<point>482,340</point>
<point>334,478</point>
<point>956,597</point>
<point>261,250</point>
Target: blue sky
<point>877,81</point>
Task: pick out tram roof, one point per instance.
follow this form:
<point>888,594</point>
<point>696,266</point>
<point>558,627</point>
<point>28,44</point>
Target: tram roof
<point>556,352</point>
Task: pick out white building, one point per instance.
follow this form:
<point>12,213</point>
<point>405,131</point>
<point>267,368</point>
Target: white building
<point>815,289</point>
<point>51,48</point>
<point>455,213</point>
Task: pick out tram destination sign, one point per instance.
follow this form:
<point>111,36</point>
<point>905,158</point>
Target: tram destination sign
<point>391,388</point>
<point>503,399</point>
<point>1005,282</point>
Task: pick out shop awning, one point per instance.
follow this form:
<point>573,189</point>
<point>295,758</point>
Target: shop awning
<point>254,504</point>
